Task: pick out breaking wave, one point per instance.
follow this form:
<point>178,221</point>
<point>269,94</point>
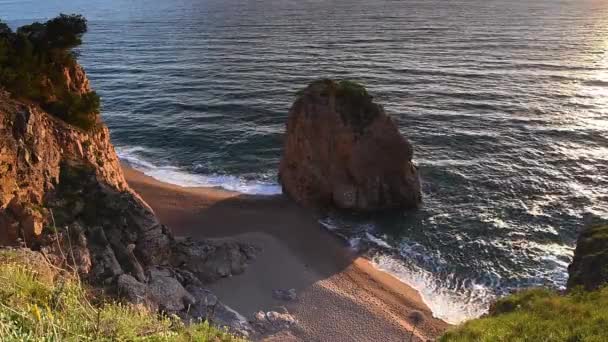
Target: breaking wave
<point>178,176</point>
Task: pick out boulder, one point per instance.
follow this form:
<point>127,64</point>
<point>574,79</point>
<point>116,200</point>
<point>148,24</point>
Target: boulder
<point>341,149</point>
<point>286,295</point>
<point>167,292</point>
<point>273,321</point>
<point>208,307</point>
<point>211,260</point>
<point>134,291</point>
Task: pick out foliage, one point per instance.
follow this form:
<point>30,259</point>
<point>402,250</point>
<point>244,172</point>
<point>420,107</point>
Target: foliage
<point>540,315</point>
<point>33,63</point>
<point>352,90</point>
<point>343,88</point>
<point>39,304</point>
<point>352,101</point>
<point>590,265</point>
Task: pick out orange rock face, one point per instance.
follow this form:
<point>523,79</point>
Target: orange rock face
<point>342,150</point>
<point>33,145</point>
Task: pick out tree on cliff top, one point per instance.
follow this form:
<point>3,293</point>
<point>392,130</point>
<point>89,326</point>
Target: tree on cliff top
<point>33,63</point>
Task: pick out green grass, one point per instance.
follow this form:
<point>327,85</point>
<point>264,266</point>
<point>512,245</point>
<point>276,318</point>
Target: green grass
<point>540,315</point>
<point>37,303</point>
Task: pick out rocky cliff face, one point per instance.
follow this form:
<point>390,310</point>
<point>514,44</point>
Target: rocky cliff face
<point>63,193</point>
<point>33,148</point>
<point>341,149</point>
<point>589,268</point>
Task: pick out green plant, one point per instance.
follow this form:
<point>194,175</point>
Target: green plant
<point>40,303</point>
<point>540,315</point>
<point>343,88</point>
<point>352,90</point>
<point>34,61</point>
<point>352,101</point>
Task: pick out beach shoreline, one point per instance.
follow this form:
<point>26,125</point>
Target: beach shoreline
<point>341,295</point>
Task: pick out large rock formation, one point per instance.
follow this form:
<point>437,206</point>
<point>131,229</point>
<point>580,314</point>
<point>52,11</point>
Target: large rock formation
<point>63,193</point>
<point>589,268</point>
<point>341,149</point>
<point>33,147</point>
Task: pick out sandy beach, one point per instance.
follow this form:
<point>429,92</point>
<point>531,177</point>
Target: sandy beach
<point>341,297</point>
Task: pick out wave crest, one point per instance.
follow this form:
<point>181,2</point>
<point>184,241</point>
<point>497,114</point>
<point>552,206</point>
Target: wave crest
<point>134,156</point>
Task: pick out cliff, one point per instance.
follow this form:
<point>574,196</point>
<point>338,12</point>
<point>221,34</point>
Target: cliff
<point>34,149</point>
<point>63,193</point>
<point>589,267</point>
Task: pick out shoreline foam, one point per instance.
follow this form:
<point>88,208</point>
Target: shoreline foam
<point>175,175</point>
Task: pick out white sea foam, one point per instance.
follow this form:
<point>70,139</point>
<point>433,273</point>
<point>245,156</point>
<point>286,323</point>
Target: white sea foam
<point>451,305</point>
<point>377,241</point>
<point>328,224</point>
<point>175,175</point>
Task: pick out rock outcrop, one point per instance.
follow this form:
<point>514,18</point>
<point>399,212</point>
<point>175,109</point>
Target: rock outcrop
<point>589,268</point>
<point>63,193</point>
<point>341,149</point>
<point>33,148</point>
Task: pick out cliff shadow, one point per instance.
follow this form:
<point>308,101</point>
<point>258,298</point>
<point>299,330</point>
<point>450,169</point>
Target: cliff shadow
<point>296,251</point>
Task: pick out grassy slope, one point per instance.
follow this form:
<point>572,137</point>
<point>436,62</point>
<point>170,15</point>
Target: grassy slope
<point>540,315</point>
<point>37,303</point>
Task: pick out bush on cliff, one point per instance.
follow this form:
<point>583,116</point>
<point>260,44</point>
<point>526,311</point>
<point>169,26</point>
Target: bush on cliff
<point>353,102</point>
<point>40,303</point>
<point>33,62</point>
<point>351,90</point>
<point>540,315</point>
<point>589,268</point>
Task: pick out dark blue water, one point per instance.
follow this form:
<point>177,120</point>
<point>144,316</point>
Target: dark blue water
<point>506,103</point>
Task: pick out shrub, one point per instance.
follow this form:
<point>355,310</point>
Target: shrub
<point>540,315</point>
<point>353,102</point>
<point>344,88</point>
<point>352,90</point>
<point>32,64</point>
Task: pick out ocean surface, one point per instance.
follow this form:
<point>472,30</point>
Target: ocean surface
<point>506,103</point>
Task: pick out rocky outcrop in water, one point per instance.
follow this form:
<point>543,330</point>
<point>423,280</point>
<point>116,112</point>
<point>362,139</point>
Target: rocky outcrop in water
<point>341,149</point>
<point>589,267</point>
<point>63,193</point>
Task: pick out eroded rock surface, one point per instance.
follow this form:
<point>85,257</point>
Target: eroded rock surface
<point>341,149</point>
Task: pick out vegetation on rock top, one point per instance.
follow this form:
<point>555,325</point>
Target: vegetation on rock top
<point>33,62</point>
<point>40,303</point>
<point>353,102</point>
<point>343,88</point>
<point>540,315</point>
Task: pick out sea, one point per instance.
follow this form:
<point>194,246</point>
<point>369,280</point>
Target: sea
<point>505,102</point>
